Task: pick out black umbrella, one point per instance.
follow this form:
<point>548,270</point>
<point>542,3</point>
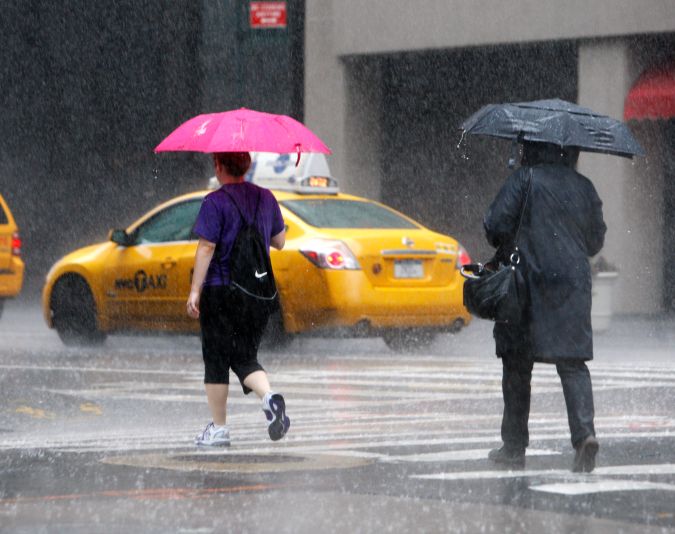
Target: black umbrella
<point>554,121</point>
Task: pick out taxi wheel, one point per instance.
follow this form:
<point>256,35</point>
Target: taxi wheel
<point>74,312</point>
<point>276,337</point>
<point>409,340</point>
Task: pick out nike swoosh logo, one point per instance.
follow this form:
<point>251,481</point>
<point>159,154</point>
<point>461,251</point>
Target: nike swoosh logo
<point>260,275</point>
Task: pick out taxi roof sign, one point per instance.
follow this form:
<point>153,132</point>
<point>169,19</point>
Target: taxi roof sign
<point>278,171</point>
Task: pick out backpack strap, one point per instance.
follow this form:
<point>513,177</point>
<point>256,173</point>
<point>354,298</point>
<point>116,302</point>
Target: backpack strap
<point>241,213</point>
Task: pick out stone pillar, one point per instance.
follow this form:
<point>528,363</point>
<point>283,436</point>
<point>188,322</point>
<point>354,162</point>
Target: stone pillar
<point>325,91</point>
<point>631,207</point>
<point>363,153</point>
<point>342,103</point>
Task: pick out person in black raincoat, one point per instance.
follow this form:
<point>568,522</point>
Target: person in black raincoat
<point>562,226</point>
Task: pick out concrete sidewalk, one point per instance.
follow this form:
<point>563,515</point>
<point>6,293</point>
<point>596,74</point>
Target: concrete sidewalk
<point>647,338</point>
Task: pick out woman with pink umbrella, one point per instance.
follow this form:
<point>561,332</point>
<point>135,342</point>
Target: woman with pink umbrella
<point>233,288</point>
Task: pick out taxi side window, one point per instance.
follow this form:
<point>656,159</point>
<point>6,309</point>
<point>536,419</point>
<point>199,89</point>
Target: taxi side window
<point>3,216</point>
<point>172,224</point>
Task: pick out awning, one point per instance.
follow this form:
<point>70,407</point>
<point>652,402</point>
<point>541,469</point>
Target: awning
<point>653,94</point>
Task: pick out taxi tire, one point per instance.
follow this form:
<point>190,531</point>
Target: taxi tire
<point>74,312</point>
<point>408,339</point>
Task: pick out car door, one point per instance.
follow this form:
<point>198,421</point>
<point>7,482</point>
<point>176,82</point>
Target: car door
<point>144,282</point>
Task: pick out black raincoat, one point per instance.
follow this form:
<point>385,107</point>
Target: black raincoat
<point>562,226</point>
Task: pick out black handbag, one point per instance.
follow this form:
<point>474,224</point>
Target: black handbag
<point>496,291</point>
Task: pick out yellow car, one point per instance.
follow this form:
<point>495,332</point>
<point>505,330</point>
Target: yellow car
<point>11,266</point>
<point>349,263</point>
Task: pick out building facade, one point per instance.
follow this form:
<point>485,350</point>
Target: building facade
<point>387,83</point>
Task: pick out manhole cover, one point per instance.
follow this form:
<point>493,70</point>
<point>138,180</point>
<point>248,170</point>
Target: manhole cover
<point>234,458</point>
<point>233,462</point>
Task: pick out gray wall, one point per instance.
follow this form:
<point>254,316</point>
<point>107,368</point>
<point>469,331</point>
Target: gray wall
<point>381,26</point>
<point>87,92</point>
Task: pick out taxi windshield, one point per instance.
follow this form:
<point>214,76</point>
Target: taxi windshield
<point>334,213</point>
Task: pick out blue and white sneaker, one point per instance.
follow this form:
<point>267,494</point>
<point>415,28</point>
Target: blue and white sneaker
<point>275,411</point>
<point>213,436</point>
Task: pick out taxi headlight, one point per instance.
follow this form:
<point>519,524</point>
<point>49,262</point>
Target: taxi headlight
<point>329,254</point>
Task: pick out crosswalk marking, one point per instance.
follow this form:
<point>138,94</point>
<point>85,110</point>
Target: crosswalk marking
<point>602,486</point>
<point>409,414</point>
<point>459,455</point>
<point>621,470</point>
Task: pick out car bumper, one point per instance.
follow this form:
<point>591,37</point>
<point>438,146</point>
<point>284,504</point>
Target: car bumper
<point>11,280</point>
<point>347,299</point>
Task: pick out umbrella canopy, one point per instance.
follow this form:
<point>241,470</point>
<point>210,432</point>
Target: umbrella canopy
<point>242,130</point>
<point>554,121</point>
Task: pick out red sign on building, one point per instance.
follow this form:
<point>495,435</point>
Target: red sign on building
<point>267,14</point>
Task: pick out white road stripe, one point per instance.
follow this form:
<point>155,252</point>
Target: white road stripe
<point>407,374</point>
<point>126,370</point>
<point>459,455</point>
<point>602,486</point>
<point>620,470</point>
<point>292,443</point>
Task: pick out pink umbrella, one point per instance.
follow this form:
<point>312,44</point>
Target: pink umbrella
<point>242,130</point>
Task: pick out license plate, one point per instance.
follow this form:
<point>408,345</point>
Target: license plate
<point>408,269</point>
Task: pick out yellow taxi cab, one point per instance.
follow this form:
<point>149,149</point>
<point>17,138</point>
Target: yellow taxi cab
<point>349,264</point>
<point>11,265</point>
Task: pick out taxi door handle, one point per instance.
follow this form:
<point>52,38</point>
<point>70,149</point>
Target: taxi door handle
<point>168,263</point>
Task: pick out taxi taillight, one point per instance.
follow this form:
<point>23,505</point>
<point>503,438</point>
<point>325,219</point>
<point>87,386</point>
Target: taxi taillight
<point>16,244</point>
<point>463,257</point>
<point>329,254</point>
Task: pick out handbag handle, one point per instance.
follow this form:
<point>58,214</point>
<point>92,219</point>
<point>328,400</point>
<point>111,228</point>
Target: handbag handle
<point>515,255</point>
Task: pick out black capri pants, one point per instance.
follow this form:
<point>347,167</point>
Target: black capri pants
<point>231,335</point>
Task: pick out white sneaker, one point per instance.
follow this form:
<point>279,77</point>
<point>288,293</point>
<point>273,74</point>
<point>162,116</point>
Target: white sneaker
<point>213,436</point>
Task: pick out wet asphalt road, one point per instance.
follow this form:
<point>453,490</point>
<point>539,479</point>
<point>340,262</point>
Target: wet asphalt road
<point>100,440</point>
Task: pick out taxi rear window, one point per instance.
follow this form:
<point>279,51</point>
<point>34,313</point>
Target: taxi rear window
<point>3,216</point>
<point>334,213</point>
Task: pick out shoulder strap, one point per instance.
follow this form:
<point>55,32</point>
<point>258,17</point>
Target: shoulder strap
<point>241,213</point>
<point>217,254</point>
<point>522,210</point>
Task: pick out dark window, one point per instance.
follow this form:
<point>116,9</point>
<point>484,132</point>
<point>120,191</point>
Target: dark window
<point>3,216</point>
<point>172,224</point>
<point>333,213</point>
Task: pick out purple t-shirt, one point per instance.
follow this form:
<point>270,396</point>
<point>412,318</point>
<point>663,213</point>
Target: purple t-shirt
<point>219,222</point>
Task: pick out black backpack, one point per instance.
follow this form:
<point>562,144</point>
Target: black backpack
<point>250,265</point>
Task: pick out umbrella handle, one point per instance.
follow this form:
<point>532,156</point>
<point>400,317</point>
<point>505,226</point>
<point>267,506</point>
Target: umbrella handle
<point>297,149</point>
